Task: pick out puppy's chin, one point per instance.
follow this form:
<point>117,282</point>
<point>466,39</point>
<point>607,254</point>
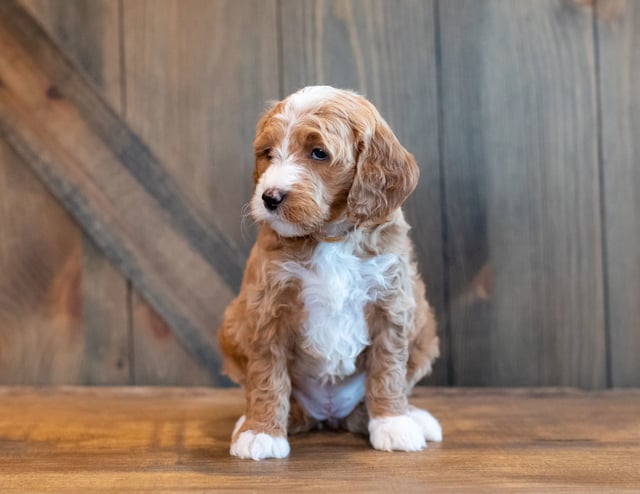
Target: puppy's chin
<point>286,229</point>
<point>281,226</point>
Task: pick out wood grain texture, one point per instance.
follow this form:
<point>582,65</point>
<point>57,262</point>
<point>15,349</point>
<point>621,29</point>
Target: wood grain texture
<point>158,357</point>
<point>618,31</point>
<point>522,195</point>
<point>198,74</point>
<point>41,331</point>
<point>385,50</point>
<point>105,309</point>
<point>46,335</point>
<point>177,440</point>
<point>89,34</point>
<point>113,185</point>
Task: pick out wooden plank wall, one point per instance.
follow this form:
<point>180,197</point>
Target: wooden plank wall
<point>522,115</point>
<point>618,30</point>
<point>521,111</point>
<point>84,338</point>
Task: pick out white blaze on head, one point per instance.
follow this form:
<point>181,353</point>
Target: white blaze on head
<point>308,97</point>
<point>280,175</point>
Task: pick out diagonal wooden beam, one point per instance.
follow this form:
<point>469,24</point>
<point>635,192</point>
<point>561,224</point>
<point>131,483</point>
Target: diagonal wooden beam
<point>113,185</point>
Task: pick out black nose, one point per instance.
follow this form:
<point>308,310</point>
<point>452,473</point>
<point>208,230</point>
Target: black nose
<point>273,198</point>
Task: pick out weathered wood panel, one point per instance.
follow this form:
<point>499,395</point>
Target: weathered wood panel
<point>113,185</point>
<point>385,50</point>
<point>38,346</point>
<point>519,151</point>
<point>105,309</point>
<point>618,31</point>
<point>89,33</point>
<point>158,356</point>
<point>41,337</point>
<point>198,74</point>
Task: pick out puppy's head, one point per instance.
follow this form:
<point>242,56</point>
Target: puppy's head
<point>326,157</point>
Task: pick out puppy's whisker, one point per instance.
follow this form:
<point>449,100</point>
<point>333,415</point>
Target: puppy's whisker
<point>245,215</point>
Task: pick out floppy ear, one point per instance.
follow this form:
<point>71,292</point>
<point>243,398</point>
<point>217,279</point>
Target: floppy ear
<point>386,174</point>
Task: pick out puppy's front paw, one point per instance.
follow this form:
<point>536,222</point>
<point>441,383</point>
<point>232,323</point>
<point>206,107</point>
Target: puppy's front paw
<point>397,433</point>
<point>257,446</point>
<point>430,426</point>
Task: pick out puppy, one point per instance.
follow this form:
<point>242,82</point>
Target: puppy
<point>331,326</point>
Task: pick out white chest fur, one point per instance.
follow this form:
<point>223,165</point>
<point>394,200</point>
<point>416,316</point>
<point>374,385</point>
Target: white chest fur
<point>336,286</point>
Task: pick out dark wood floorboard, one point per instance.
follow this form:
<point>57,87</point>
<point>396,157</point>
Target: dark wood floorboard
<point>170,439</point>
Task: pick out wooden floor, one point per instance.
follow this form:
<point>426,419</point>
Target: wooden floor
<point>165,440</point>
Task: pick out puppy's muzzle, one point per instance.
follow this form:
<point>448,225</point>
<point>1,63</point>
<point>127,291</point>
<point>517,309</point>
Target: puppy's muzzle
<point>272,198</point>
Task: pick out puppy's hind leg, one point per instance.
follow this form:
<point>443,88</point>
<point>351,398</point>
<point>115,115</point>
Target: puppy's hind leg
<point>299,420</point>
<point>423,341</point>
<point>357,421</point>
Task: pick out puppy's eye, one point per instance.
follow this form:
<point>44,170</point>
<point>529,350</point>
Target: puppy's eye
<point>267,153</point>
<point>319,154</point>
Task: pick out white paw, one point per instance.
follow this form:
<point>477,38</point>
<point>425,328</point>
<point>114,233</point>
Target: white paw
<point>397,433</point>
<point>257,446</point>
<point>430,426</point>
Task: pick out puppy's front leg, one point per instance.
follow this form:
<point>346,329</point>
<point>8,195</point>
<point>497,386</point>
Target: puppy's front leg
<point>262,431</point>
<point>393,424</point>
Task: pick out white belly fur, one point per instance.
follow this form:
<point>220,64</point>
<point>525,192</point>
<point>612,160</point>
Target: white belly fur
<point>336,286</point>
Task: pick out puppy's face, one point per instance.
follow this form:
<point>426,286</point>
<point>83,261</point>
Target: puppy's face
<point>325,156</point>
